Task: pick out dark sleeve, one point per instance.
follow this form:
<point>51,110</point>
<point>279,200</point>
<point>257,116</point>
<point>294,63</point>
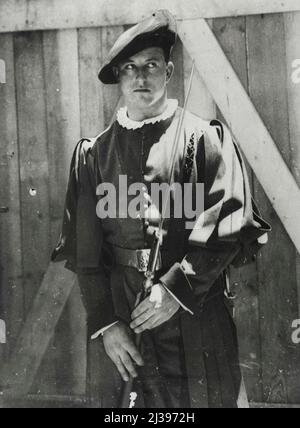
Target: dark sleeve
<point>227,224</point>
<point>81,239</point>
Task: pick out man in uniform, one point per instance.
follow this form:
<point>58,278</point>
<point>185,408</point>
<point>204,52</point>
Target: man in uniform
<point>189,353</point>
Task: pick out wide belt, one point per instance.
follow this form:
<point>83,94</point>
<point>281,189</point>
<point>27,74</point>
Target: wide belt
<point>138,259</point>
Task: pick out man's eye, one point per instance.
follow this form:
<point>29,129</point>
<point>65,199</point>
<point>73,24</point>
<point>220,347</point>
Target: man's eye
<point>129,67</point>
<point>152,65</point>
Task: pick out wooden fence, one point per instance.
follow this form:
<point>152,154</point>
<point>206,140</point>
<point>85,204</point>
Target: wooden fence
<point>52,97</point>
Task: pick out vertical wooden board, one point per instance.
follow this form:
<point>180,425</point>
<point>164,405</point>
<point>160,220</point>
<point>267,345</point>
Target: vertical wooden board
<point>46,378</point>
<point>91,89</point>
<point>63,126</point>
<point>292,30</point>
<point>176,84</point>
<point>110,93</point>
<point>33,160</point>
<point>277,271</point>
<point>11,286</point>
<point>231,34</point>
<point>200,102</point>
<point>63,115</point>
<point>34,169</point>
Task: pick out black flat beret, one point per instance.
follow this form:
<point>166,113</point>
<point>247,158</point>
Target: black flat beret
<point>157,31</point>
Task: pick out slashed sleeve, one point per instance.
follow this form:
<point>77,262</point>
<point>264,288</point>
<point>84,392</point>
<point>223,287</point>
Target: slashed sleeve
<point>81,239</point>
<point>227,225</point>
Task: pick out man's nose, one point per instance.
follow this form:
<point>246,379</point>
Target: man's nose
<point>141,75</point>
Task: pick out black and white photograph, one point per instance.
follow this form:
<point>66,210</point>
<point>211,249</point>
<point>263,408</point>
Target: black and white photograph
<point>150,206</point>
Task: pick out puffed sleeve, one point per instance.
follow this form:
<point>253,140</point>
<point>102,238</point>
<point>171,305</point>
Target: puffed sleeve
<point>227,225</point>
<point>81,239</point>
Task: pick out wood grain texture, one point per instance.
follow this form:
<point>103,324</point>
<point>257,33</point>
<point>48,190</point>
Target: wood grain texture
<point>176,87</point>
<point>231,34</point>
<point>34,167</point>
<point>276,265</point>
<point>60,99</point>
<point>200,102</point>
<point>34,173</point>
<point>44,14</point>
<point>63,115</point>
<point>11,283</point>
<point>91,90</point>
<point>63,127</point>
<point>292,37</point>
<point>110,93</point>
<point>18,375</point>
<point>241,114</point>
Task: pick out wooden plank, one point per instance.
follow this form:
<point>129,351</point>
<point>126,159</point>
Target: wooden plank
<point>10,221</point>
<point>34,167</point>
<point>43,15</point>
<point>292,30</point>
<point>63,115</point>
<point>274,406</point>
<point>63,127</point>
<point>98,102</point>
<point>65,402</point>
<point>201,102</point>
<point>18,375</point>
<point>277,272</point>
<point>34,401</point>
<point>33,153</point>
<point>34,174</point>
<point>231,34</point>
<point>91,90</point>
<point>58,401</point>
<point>246,124</point>
<point>110,93</point>
<point>176,84</point>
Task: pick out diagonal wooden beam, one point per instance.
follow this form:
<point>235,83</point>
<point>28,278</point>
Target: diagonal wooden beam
<point>17,376</point>
<point>245,123</point>
<point>16,15</point>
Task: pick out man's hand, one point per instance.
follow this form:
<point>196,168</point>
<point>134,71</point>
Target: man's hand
<point>120,348</point>
<point>157,309</point>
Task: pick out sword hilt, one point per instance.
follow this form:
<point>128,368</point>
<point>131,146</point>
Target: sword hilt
<point>154,254</point>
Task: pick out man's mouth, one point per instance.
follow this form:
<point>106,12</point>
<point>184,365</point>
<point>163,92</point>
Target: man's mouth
<point>143,90</point>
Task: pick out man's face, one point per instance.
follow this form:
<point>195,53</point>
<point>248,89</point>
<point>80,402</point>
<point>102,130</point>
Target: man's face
<point>143,77</point>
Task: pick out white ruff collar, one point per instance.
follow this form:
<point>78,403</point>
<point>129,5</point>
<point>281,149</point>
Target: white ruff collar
<point>125,122</point>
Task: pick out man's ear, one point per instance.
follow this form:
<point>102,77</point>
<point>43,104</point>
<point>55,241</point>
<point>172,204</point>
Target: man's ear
<point>170,70</point>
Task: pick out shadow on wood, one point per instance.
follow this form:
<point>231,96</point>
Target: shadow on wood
<point>17,376</point>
